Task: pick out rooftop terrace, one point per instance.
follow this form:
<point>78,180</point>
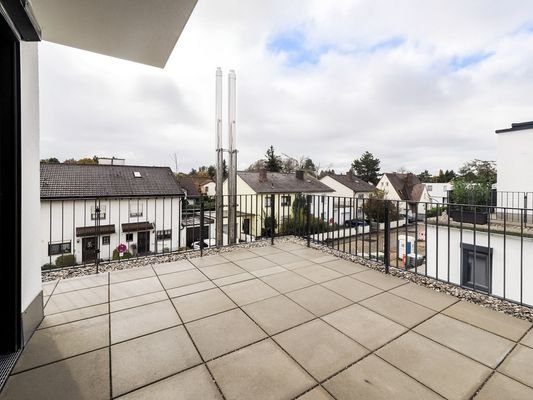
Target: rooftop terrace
<point>272,322</point>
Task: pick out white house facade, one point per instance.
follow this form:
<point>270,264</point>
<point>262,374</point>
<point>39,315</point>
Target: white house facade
<point>407,189</point>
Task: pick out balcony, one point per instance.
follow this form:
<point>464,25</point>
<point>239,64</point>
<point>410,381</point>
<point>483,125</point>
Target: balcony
<point>262,321</point>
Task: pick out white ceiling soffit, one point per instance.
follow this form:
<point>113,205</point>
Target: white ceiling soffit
<point>144,31</point>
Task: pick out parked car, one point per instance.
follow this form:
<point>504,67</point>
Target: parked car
<point>356,222</point>
<point>206,243</point>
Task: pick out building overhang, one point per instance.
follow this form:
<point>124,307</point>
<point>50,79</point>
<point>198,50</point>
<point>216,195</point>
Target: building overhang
<point>136,30</point>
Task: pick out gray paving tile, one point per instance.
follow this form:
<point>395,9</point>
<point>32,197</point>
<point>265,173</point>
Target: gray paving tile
<point>228,280</point>
<point>284,258</point>
<point>136,301</point>
<point>288,246</point>
<point>318,299</point>
<point>74,315</point>
<point>307,253</point>
<point>277,314</point>
<point>238,331</point>
<point>248,292</point>
<point>450,374</point>
<point>473,342</point>
<point>48,287</point>
<point>373,378</point>
<point>364,326</point>
<point>519,365</point>
<point>77,299</point>
<point>345,267</point>
<point>188,289</point>
<point>123,290</point>
<point>317,273</point>
<point>324,258</point>
<point>316,394</point>
<point>182,278</point>
<point>500,387</point>
<point>222,270</point>
<point>398,309</point>
<point>85,282</point>
<point>195,383</point>
<point>144,360</point>
<point>84,377</point>
<point>268,271</point>
<point>319,348</point>
<point>528,339</point>
<point>131,274</point>
<point>237,255</point>
<point>254,264</point>
<point>352,289</point>
<point>174,266</point>
<point>287,281</point>
<point>202,304</point>
<point>426,297</point>
<point>261,372</point>
<point>62,341</point>
<point>299,264</point>
<point>266,250</point>
<point>379,279</point>
<point>492,321</point>
<point>142,320</point>
<point>207,260</point>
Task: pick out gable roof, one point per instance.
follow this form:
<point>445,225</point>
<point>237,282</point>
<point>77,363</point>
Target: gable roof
<point>408,186</point>
<point>191,184</point>
<point>353,182</point>
<point>277,182</point>
<point>68,181</point>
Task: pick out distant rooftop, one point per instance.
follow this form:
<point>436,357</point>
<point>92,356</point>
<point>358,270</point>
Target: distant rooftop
<point>353,182</point>
<point>278,182</point>
<point>517,126</point>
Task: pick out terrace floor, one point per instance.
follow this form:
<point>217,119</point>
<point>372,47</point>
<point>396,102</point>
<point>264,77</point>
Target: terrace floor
<point>274,322</point>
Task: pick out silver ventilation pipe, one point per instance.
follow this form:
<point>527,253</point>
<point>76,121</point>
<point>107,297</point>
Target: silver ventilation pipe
<point>220,161</point>
<point>232,173</point>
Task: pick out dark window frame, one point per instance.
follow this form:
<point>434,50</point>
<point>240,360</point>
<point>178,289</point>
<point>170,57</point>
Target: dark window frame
<point>129,237</point>
<point>106,240</point>
<point>164,234</point>
<point>58,248</point>
<point>286,200</point>
<point>476,250</point>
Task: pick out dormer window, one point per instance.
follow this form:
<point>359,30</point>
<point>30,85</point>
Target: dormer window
<point>137,174</point>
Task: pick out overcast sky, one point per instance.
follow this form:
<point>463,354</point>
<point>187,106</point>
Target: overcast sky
<point>420,84</point>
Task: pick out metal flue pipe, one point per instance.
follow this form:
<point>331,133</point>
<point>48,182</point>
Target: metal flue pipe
<point>232,173</point>
<point>220,160</point>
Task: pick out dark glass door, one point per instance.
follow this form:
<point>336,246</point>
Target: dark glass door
<point>143,242</point>
<point>88,253</point>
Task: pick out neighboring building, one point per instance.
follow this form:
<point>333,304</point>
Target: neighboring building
<point>90,207</point>
<point>408,190</point>
<point>195,186</point>
<point>254,194</point>
<point>438,192</point>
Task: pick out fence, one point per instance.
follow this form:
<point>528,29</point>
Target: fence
<point>483,248</point>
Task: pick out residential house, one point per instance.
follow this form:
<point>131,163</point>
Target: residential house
<point>194,186</point>
<point>350,191</point>
<point>86,208</point>
<point>438,192</point>
<point>411,194</point>
<point>255,191</point>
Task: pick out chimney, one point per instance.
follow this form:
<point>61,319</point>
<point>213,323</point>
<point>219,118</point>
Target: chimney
<point>300,174</point>
<point>262,175</point>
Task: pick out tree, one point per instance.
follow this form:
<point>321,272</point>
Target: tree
<point>212,171</point>
<point>309,166</point>
<point>425,176</point>
<point>367,167</point>
<point>374,207</point>
<point>444,177</point>
<point>325,172</point>
<point>256,166</point>
<point>272,161</point>
<point>51,160</point>
<point>88,160</point>
<point>478,171</point>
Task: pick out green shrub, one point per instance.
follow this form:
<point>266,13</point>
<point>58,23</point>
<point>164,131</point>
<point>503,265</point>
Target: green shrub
<point>125,255</point>
<point>66,260</point>
<point>47,266</point>
<point>432,212</point>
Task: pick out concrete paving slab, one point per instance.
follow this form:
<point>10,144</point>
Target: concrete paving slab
<point>84,377</point>
<point>317,273</point>
<point>58,303</point>
<point>519,365</point>
<point>189,289</point>
<point>345,267</point>
<point>85,282</point>
<point>48,287</point>
<point>138,321</point>
<point>500,387</point>
<point>174,266</point>
<point>131,274</point>
<point>307,253</point>
<point>287,281</point>
<point>528,339</point>
<point>228,280</point>
<point>379,279</point>
<point>136,301</point>
<point>398,309</point>
<point>238,329</point>
<point>277,314</point>
<point>74,315</point>
<point>123,290</point>
<point>260,372</point>
<point>206,261</point>
<point>364,326</point>
<point>492,321</point>
<point>316,394</point>
<point>144,360</point>
<point>195,383</point>
<point>254,264</point>
<point>318,300</point>
<point>320,349</point>
<point>473,342</point>
<point>284,258</point>
<point>182,278</point>
<point>266,250</point>
<point>299,264</point>
<point>351,288</point>
<point>62,341</point>
<point>248,292</point>
<point>373,378</point>
<point>424,296</point>
<point>222,270</point>
<point>202,304</point>
<point>450,374</point>
<point>268,271</point>
<point>240,254</point>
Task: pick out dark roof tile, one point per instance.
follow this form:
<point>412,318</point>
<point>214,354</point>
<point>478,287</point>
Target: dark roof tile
<point>277,182</point>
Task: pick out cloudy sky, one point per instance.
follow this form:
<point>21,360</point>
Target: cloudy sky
<point>420,84</point>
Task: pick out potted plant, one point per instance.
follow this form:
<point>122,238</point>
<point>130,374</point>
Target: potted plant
<point>470,202</point>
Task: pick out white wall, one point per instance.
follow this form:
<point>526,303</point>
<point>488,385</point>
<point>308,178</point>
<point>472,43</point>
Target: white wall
<point>59,220</point>
<point>439,191</point>
<point>512,257</point>
<point>515,161</point>
<point>31,272</point>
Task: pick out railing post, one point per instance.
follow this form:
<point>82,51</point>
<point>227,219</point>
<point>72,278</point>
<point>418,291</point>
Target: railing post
<point>272,217</point>
<point>308,218</point>
<point>525,208</point>
<point>201,226</point>
<point>386,243</point>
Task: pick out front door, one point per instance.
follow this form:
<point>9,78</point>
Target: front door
<point>246,226</point>
<point>143,242</point>
<point>88,253</point>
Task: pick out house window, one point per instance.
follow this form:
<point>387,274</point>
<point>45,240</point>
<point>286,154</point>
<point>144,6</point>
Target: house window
<point>106,240</point>
<point>430,188</point>
<point>285,200</point>
<point>59,248</point>
<point>136,209</point>
<point>129,237</point>
<point>164,234</point>
<point>476,267</point>
<point>98,212</point>
<point>360,196</point>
